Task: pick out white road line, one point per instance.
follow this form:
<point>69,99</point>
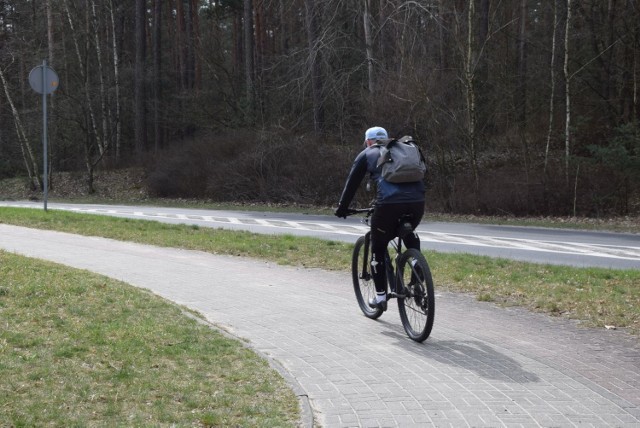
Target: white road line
<point>630,253</point>
<point>608,251</point>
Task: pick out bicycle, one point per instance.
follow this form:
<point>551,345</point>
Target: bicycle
<point>410,281</point>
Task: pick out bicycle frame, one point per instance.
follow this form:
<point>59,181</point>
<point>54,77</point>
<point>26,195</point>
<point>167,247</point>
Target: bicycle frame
<point>395,243</point>
<point>408,279</point>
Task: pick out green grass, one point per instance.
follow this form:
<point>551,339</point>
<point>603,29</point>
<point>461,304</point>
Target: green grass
<point>596,296</point>
<point>285,249</point>
<point>78,349</point>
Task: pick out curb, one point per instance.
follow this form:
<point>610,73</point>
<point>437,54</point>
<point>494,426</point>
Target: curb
<point>307,419</point>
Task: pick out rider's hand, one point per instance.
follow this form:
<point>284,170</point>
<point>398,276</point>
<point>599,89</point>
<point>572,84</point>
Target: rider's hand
<point>341,212</point>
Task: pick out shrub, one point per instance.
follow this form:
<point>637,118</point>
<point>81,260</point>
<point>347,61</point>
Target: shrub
<point>246,166</point>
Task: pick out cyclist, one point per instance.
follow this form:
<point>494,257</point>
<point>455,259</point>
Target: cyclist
<point>393,200</point>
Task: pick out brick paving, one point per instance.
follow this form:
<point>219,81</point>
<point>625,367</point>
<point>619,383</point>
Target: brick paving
<point>483,366</point>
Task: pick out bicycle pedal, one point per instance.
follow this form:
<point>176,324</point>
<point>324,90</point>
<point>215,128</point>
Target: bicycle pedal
<point>394,295</point>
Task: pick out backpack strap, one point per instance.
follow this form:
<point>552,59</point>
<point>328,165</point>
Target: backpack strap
<point>386,145</point>
<point>407,139</point>
<point>384,142</point>
<point>391,143</point>
<point>385,151</point>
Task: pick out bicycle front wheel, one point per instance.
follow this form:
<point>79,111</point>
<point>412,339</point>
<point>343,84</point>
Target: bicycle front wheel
<point>417,307</point>
<point>363,285</point>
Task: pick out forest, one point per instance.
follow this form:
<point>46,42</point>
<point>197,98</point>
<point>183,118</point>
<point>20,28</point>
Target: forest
<point>522,107</point>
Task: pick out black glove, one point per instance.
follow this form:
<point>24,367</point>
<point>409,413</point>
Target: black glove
<point>341,212</point>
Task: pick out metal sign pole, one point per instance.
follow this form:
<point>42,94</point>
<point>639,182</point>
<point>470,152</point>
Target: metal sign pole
<point>44,83</point>
<point>44,133</point>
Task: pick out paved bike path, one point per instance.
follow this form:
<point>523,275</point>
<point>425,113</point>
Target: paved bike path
<point>483,366</point>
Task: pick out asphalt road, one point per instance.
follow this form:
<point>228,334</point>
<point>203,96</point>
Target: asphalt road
<point>539,245</point>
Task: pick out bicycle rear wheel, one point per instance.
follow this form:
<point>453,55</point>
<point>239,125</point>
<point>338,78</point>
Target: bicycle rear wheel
<point>363,285</point>
<point>417,308</point>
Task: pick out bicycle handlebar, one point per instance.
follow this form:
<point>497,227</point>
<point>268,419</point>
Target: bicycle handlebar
<point>360,210</point>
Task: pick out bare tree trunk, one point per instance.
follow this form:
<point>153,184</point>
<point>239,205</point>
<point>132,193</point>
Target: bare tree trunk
<point>315,62</point>
<point>116,81</point>
<point>553,92</point>
<point>471,96</point>
<point>483,38</point>
<point>190,65</point>
<point>178,44</point>
<point>248,55</point>
<point>139,83</point>
<point>382,39</point>
<point>522,64</point>
<point>238,40</point>
<point>521,103</point>
<point>368,43</point>
<point>157,68</point>
<point>197,66</point>
<point>89,165</point>
<point>567,83</point>
<point>25,146</point>
<point>49,31</point>
<point>283,43</point>
<point>84,75</point>
<point>636,46</point>
<point>443,34</point>
<point>575,190</point>
<point>401,42</point>
<point>50,63</point>
<point>258,13</point>
<point>103,95</point>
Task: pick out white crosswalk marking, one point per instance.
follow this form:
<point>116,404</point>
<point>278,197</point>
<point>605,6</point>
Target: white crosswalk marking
<point>595,250</point>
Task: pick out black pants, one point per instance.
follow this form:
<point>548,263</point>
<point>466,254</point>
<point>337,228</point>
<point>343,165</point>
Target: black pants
<point>384,223</point>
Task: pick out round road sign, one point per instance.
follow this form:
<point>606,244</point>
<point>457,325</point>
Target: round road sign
<point>45,85</point>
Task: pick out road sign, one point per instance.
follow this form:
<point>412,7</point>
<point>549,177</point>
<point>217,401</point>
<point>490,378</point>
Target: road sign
<point>43,79</point>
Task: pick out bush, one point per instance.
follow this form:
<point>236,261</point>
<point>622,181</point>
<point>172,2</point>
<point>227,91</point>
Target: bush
<point>252,166</point>
<point>249,167</point>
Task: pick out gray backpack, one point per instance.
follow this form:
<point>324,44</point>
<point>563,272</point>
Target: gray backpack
<point>401,160</point>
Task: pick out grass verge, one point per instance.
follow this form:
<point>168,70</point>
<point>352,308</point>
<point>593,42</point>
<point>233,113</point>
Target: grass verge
<point>598,297</point>
<point>79,349</point>
<point>629,224</point>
